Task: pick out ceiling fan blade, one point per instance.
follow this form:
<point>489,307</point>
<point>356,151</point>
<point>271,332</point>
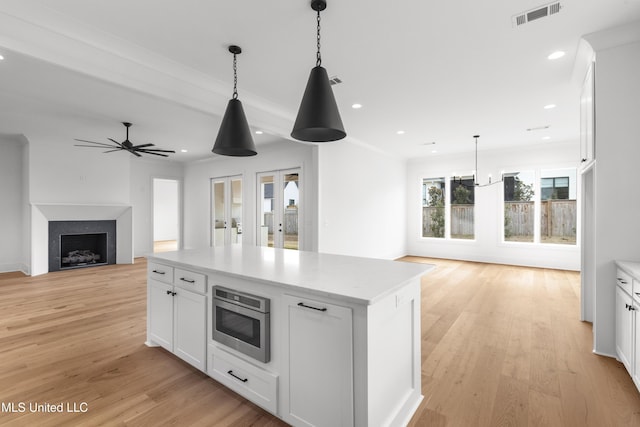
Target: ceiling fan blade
<point>148,150</point>
<point>155,154</point>
<point>94,142</point>
<point>111,151</point>
<point>117,143</point>
<point>93,146</point>
<point>135,147</point>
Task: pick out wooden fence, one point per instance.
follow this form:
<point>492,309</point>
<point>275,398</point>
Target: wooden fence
<point>461,221</point>
<point>290,221</point>
<point>558,219</point>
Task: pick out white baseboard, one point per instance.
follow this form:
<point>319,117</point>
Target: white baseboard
<point>9,268</point>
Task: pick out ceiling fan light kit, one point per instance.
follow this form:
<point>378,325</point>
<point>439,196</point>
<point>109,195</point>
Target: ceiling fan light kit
<point>125,145</point>
<point>318,117</point>
<point>234,136</point>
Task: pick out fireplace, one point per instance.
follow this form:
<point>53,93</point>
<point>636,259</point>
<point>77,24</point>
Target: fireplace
<point>77,244</point>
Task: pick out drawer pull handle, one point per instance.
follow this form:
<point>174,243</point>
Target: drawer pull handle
<point>244,380</point>
<point>158,272</point>
<point>187,280</point>
<point>301,304</point>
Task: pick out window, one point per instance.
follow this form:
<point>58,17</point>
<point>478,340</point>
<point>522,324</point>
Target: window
<point>519,207</point>
<point>558,213</point>
<point>555,188</point>
<point>433,217</point>
<point>462,207</point>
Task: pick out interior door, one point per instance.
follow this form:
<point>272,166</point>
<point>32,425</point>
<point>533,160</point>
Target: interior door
<point>279,209</point>
<point>226,210</point>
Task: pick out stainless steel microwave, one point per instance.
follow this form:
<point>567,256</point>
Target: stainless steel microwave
<point>242,321</point>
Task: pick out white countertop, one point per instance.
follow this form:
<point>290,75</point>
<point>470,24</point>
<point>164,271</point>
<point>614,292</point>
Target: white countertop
<point>355,279</point>
<point>631,267</point>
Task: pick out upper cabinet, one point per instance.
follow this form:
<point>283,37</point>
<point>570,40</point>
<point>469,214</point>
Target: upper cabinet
<point>587,113</point>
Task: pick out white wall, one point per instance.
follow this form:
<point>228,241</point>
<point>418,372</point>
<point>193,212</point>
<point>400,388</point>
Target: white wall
<point>278,156</point>
<point>488,245</point>
<point>362,205</point>
<point>12,250</point>
<point>62,173</point>
<point>166,206</point>
<point>617,173</point>
<point>142,173</point>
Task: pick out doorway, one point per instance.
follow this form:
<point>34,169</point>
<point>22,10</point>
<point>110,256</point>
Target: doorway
<point>166,215</point>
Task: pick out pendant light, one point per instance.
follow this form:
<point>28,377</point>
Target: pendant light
<point>234,137</point>
<point>318,117</point>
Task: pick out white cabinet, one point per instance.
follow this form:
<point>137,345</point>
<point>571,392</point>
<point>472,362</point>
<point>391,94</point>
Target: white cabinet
<point>258,385</point>
<point>176,313</point>
<point>624,328</point>
<point>628,318</point>
<point>636,346</point>
<point>318,382</point>
<point>160,314</point>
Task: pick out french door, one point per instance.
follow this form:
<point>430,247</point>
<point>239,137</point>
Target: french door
<point>279,209</point>
<point>226,210</point>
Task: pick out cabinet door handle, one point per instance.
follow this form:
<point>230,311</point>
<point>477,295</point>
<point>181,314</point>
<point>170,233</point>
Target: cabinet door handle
<point>173,294</point>
<point>301,304</point>
<point>187,280</point>
<point>244,380</point>
<point>168,292</point>
<point>632,308</point>
<point>624,282</point>
<point>158,272</point>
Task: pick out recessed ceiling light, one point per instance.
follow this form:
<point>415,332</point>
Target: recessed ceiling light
<point>434,151</point>
<point>356,106</point>
<point>556,55</point>
<point>183,151</point>
<point>259,132</point>
<point>546,137</point>
<point>400,132</point>
<point>1,57</point>
<point>549,106</point>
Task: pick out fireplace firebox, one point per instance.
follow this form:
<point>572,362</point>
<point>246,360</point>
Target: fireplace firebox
<point>76,244</point>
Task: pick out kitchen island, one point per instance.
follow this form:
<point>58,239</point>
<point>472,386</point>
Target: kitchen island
<point>343,342</point>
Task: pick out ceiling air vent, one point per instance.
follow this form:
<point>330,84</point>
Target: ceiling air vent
<point>537,13</point>
<point>335,80</point>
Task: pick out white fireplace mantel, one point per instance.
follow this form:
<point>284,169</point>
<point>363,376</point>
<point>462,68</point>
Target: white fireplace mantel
<point>42,213</point>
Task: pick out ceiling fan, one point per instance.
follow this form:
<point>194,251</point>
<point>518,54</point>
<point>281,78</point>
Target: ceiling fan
<point>125,145</point>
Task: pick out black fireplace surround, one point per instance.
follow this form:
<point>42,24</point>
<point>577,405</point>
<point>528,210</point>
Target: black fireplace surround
<point>76,244</point>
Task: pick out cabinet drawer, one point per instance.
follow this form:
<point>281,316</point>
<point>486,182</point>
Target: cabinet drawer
<point>624,281</point>
<point>186,279</point>
<point>251,382</point>
<point>160,272</point>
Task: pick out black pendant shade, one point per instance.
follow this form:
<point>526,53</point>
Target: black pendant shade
<point>318,117</point>
<point>234,137</point>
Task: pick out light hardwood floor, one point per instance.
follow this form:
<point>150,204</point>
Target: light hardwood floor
<point>501,346</point>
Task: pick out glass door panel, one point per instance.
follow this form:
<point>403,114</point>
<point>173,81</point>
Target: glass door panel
<point>267,208</point>
<point>236,210</point>
<point>291,199</point>
<point>219,222</point>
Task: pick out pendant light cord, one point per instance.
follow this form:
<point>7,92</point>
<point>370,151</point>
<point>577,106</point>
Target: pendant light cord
<point>318,57</point>
<point>235,78</point>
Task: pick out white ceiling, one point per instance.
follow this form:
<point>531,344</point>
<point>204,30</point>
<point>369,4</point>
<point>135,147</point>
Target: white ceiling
<point>440,71</point>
